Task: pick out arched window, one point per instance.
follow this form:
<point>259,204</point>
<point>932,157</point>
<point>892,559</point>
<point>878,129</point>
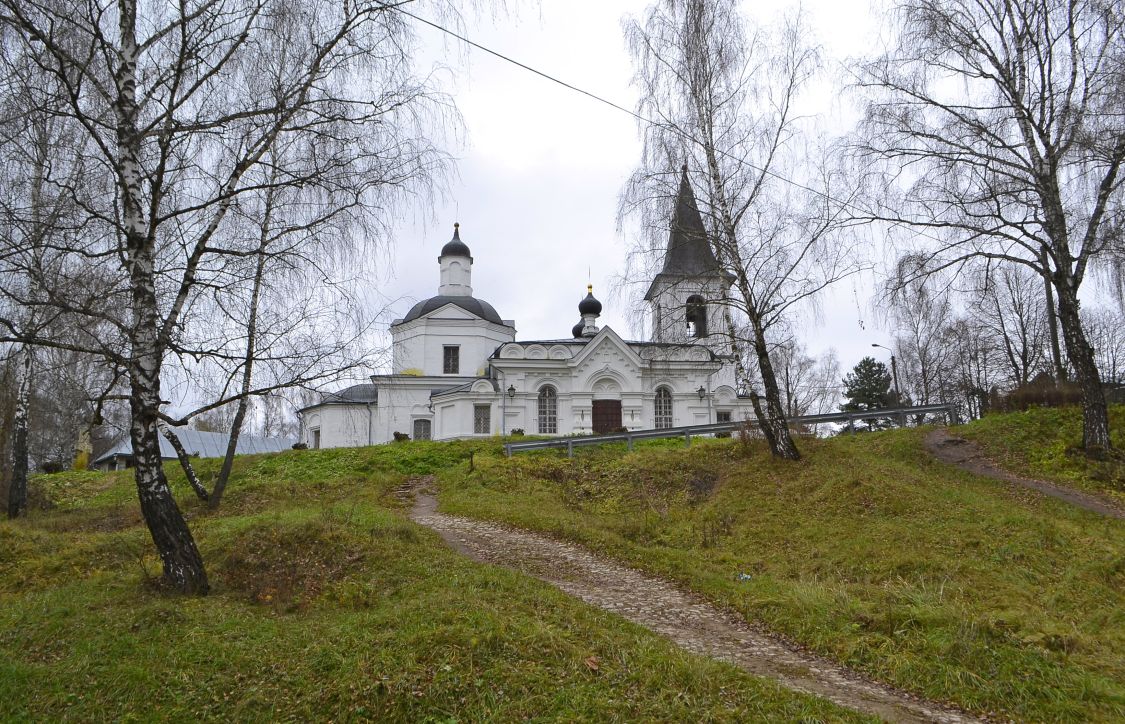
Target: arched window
<point>696,315</point>
<point>663,408</point>
<point>548,411</point>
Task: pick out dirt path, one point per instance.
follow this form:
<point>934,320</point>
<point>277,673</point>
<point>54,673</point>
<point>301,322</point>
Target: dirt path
<point>687,620</point>
<point>966,455</point>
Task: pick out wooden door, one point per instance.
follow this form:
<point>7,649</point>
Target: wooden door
<point>607,415</point>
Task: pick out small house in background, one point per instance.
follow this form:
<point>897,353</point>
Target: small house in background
<point>119,455</point>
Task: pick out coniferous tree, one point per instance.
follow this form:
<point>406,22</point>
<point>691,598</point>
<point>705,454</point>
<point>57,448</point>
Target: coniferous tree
<point>868,387</point>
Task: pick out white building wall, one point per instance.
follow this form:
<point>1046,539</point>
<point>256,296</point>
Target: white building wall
<point>340,425</point>
<point>419,345</point>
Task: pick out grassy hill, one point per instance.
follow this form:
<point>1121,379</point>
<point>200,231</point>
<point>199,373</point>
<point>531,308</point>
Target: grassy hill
<point>329,603</point>
<point>1044,443</point>
<point>949,585</point>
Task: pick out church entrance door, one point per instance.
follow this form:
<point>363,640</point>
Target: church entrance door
<point>607,415</point>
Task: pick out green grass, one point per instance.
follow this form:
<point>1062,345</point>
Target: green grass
<point>327,603</point>
<point>1044,443</point>
<point>867,551</point>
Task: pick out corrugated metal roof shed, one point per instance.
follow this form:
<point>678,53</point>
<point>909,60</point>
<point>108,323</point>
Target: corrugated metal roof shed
<point>203,444</point>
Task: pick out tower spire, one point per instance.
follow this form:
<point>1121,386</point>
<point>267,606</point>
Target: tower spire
<point>689,252</point>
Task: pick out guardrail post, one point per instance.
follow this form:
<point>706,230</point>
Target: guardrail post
<point>570,448</point>
<point>508,449</point>
<point>902,419</point>
<point>687,439</point>
<point>629,442</point>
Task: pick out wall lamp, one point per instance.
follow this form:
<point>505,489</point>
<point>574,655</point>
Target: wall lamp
<point>702,393</point>
<point>511,390</point>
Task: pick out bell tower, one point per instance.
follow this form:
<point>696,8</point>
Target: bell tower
<point>686,297</point>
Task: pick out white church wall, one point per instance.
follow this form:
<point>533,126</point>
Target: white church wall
<point>419,345</point>
<point>454,418</point>
<point>339,426</point>
<point>399,406</point>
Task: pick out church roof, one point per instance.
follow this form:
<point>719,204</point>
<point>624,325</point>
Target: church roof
<point>589,305</point>
<point>472,305</point>
<point>363,392</point>
<point>455,247</point>
<point>689,252</point>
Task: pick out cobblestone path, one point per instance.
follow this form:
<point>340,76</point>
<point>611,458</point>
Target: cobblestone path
<point>686,619</point>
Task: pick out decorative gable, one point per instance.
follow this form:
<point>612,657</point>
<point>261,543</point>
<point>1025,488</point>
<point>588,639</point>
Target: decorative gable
<point>449,311</point>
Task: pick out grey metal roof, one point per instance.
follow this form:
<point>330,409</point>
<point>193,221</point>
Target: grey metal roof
<point>689,252</point>
<point>472,305</point>
<point>363,392</point>
<point>203,444</point>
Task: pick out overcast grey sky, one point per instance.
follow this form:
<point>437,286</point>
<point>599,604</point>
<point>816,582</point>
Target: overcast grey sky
<point>542,167</point>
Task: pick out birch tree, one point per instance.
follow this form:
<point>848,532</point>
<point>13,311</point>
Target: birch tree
<point>720,101</point>
<point>998,131</point>
<point>37,218</point>
<point>181,105</point>
<point>1008,305</point>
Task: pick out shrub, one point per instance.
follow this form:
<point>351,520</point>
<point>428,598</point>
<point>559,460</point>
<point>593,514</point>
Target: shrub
<point>300,446</point>
<point>401,436</point>
<point>517,432</point>
<point>53,466</point>
<point>1043,391</point>
<point>747,433</point>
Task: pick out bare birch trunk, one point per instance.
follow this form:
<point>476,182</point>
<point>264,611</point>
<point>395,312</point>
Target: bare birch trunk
<point>772,419</point>
<point>183,566</point>
<point>185,463</point>
<point>774,422</point>
<point>247,367</point>
<point>1095,414</point>
<point>1052,320</point>
<point>17,485</point>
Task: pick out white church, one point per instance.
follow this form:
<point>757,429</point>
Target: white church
<point>458,370</point>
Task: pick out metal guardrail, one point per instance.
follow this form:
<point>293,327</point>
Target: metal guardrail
<point>689,431</point>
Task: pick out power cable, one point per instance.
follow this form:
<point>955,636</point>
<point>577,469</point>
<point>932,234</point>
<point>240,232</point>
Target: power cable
<point>649,121</point>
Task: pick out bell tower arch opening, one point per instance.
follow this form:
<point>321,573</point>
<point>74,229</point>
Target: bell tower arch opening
<point>695,312</point>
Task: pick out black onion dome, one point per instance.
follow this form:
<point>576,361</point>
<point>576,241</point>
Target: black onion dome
<point>455,247</point>
<point>589,305</point>
<point>576,330</point>
<point>472,305</point>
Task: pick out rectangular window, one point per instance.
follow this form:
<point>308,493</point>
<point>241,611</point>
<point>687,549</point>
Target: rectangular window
<point>421,429</point>
<point>451,360</point>
<point>482,419</point>
<point>316,439</point>
<point>722,416</point>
